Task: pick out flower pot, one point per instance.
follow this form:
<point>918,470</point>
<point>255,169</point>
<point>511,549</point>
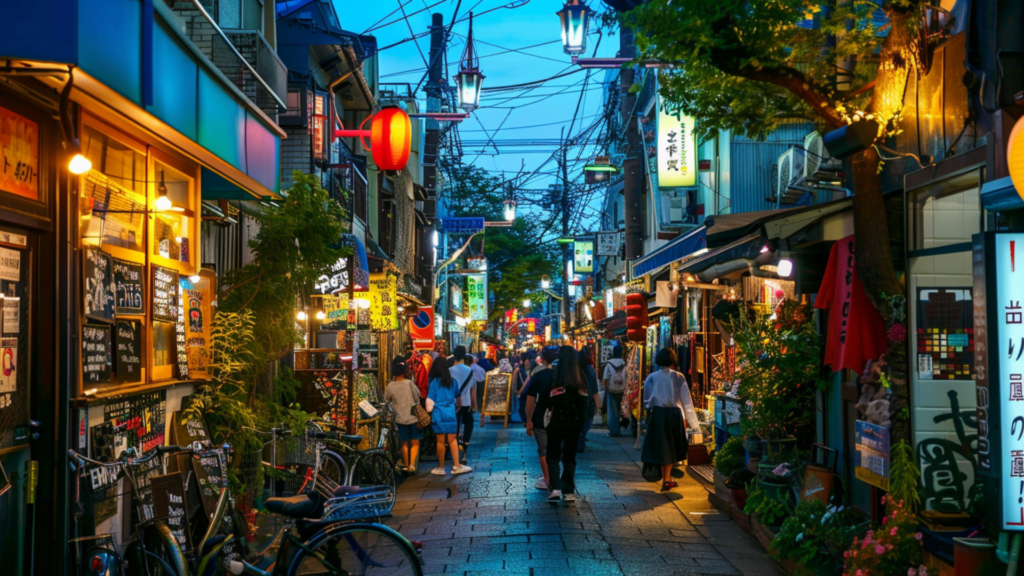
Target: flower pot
<point>776,490</point>
<point>753,464</point>
<point>754,447</point>
<point>781,450</point>
<point>974,557</point>
<point>739,497</point>
<point>765,471</point>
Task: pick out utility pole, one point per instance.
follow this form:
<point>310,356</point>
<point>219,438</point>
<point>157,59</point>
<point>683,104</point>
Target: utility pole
<point>632,167</point>
<point>567,250</point>
<point>431,151</point>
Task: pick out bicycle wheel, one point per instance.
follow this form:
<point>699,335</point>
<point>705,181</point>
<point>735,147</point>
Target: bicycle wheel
<point>157,555</point>
<point>332,467</point>
<point>374,469</point>
<point>357,550</point>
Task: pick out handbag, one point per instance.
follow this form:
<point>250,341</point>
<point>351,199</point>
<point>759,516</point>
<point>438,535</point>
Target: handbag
<point>422,416</point>
<point>651,472</point>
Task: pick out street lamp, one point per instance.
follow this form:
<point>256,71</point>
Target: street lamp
<point>545,282</point>
<point>526,303</point>
<point>469,79</point>
<point>510,210</point>
<point>575,18</point>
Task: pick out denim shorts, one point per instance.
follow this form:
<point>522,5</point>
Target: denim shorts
<point>409,432</point>
<point>542,442</point>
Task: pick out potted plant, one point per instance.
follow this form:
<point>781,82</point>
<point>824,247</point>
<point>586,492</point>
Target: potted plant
<point>813,538</point>
<point>728,457</point>
<point>737,484</point>
<point>769,512</point>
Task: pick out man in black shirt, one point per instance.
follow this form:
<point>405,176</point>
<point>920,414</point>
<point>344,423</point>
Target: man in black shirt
<point>538,391</point>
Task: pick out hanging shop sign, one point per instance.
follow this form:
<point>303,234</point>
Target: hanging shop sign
<point>583,256</point>
<point>19,155</point>
<point>337,280</point>
<point>455,297</point>
<point>511,317</point>
<point>128,287</point>
<point>383,302</point>
<point>677,158</point>
<point>999,350</point>
<point>421,329</point>
<point>608,243</point>
<point>476,287</point>
<point>872,460</point>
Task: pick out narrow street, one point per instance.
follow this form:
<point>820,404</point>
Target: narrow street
<point>493,519</point>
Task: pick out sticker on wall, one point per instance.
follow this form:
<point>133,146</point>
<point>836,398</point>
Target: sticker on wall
<point>10,265</point>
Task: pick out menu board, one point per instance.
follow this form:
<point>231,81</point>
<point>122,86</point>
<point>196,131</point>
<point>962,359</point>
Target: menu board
<point>95,354</point>
<point>128,345</point>
<point>497,393</point>
<point>165,294</point>
<point>169,504</point>
<point>209,477</point>
<point>180,332</point>
<point>128,287</point>
<point>99,285</point>
<point>195,304</point>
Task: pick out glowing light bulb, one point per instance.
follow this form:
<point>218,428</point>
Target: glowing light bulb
<point>163,203</point>
<point>785,268</point>
<point>300,316</point>
<point>320,315</point>
<point>79,164</point>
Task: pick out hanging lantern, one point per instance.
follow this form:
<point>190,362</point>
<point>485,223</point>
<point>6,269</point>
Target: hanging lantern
<point>510,210</point>
<point>390,138</point>
<point>575,18</point>
<point>469,80</point>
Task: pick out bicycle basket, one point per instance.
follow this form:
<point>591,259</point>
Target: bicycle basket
<point>366,504</point>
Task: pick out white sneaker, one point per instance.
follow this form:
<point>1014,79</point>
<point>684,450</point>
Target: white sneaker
<point>555,496</point>
<point>439,471</point>
<point>462,469</point>
<point>568,498</point>
<point>541,484</point>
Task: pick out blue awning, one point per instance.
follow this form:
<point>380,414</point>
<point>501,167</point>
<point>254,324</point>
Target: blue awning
<point>677,249</point>
<point>217,187</point>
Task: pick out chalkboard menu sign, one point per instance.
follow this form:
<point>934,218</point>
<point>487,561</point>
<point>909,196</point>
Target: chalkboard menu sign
<point>128,287</point>
<point>165,294</point>
<point>169,503</point>
<point>95,354</point>
<point>497,394</point>
<point>99,285</point>
<point>128,360</point>
<point>208,475</point>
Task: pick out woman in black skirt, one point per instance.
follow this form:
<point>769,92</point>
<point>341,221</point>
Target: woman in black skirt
<point>667,398</point>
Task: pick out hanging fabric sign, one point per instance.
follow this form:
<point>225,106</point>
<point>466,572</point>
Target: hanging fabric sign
<point>383,302</point>
<point>476,286</point>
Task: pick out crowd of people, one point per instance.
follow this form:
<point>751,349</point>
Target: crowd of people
<point>557,396</point>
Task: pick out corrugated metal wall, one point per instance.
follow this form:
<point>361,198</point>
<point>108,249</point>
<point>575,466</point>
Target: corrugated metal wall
<point>751,165</point>
<point>228,246</point>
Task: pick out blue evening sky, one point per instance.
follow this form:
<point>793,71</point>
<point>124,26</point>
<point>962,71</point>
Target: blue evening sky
<point>522,28</point>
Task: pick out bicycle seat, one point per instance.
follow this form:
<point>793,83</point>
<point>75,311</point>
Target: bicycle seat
<point>299,506</point>
<point>352,439</point>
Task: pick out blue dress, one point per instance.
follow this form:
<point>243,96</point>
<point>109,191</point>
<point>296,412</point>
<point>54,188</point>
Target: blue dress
<point>443,417</point>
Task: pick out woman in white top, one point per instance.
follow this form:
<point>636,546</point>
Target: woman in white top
<point>667,398</point>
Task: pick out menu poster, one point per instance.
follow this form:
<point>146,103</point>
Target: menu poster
<point>180,332</point>
<point>95,354</point>
<point>165,294</point>
<point>99,285</point>
<point>128,287</point>
<point>128,360</point>
<point>169,503</point>
<point>195,304</point>
<point>209,477</point>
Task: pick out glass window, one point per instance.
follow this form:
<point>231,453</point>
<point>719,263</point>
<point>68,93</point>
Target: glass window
<point>946,213</point>
<point>113,193</point>
<point>172,223</point>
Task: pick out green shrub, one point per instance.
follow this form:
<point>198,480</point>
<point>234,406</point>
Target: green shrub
<point>730,456</point>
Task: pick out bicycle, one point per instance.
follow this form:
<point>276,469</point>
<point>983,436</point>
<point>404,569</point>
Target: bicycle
<point>368,467</point>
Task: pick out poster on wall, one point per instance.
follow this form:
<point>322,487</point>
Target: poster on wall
<point>945,334</point>
<point>19,155</point>
<point>180,345</point>
<point>677,157</point>
<point>335,307</point>
<point>165,294</point>
<point>99,285</point>
<point>476,288</point>
<point>583,256</point>
<point>128,287</point>
<point>196,307</point>
<point>871,463</point>
<point>14,348</point>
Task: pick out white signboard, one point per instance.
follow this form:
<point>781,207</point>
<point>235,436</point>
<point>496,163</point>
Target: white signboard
<point>10,265</point>
<point>1009,341</point>
<point>677,150</point>
<point>608,244</point>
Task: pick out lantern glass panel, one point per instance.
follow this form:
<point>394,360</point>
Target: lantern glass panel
<point>575,20</point>
<point>469,84</point>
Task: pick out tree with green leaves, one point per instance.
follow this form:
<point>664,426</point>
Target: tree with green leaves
<point>749,66</point>
<point>518,256</point>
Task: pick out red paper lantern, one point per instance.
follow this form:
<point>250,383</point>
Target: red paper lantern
<point>390,138</point>
<point>636,317</point>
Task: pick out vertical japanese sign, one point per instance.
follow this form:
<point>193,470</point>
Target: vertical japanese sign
<point>677,157</point>
<point>383,302</point>
<point>999,355</point>
<point>583,257</point>
<point>19,155</point>
<point>872,459</point>
<point>511,317</point>
<point>476,287</point>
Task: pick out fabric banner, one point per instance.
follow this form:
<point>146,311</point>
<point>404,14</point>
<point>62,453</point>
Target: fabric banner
<point>476,289</point>
<point>608,243</point>
<point>383,302</point>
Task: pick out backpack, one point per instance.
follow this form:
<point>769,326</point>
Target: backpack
<point>618,382</point>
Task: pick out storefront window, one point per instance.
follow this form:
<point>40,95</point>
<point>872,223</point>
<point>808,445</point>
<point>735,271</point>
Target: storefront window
<point>172,226</point>
<point>113,193</point>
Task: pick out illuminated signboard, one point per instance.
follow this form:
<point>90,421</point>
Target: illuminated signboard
<point>677,150</point>
<point>584,256</point>
<point>476,289</point>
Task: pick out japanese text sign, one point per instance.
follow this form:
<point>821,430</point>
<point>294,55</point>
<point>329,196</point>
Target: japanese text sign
<point>476,288</point>
<point>19,155</point>
<point>872,459</point>
<point>677,157</point>
<point>383,302</point>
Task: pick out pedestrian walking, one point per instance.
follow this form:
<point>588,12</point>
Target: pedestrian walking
<point>404,395</point>
<point>465,400</point>
<point>519,378</point>
<point>441,405</point>
<point>667,400</point>
<point>593,394</point>
<point>565,412</point>
<point>614,382</point>
<point>479,376</point>
<point>537,388</point>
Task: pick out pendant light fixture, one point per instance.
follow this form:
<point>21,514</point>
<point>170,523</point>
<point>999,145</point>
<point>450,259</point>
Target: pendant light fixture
<point>469,79</point>
<point>575,17</point>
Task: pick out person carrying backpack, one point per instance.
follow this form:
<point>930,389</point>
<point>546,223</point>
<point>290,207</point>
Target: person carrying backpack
<point>614,382</point>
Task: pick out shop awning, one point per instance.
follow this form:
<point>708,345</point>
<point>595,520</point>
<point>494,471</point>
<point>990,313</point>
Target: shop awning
<point>999,195</point>
<point>217,187</point>
<point>746,247</point>
<point>728,228</point>
<point>677,249</point>
<point>791,223</point>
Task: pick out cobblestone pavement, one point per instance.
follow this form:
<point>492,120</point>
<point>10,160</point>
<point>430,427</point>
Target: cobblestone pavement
<point>493,520</point>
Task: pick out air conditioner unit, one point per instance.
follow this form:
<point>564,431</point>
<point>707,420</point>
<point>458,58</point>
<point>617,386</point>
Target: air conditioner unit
<point>819,165</point>
<point>789,183</point>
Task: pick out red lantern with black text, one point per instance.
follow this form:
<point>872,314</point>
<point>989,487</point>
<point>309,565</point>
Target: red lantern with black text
<point>390,138</point>
<point>636,317</point>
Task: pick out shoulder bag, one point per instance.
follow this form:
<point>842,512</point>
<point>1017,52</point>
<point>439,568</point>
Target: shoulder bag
<point>422,416</point>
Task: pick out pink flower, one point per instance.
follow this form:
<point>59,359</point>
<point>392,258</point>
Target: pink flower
<point>879,549</point>
<point>919,536</point>
<point>860,573</point>
<point>922,571</point>
<point>897,333</point>
<point>884,520</point>
<point>883,499</point>
<point>911,572</point>
<point>893,531</point>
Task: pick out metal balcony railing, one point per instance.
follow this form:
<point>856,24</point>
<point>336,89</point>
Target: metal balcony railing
<point>243,56</point>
